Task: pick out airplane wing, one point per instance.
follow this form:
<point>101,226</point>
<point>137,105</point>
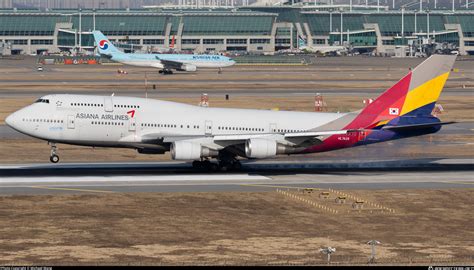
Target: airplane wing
<point>169,64</point>
<point>306,138</point>
<point>219,142</point>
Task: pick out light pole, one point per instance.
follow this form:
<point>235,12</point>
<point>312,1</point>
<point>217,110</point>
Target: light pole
<point>330,20</point>
<point>341,29</point>
<point>328,251</point>
<point>80,30</point>
<point>373,243</point>
<point>428,23</point>
<point>403,25</point>
<point>93,19</point>
<point>415,21</point>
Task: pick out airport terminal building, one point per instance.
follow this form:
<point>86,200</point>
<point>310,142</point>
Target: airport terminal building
<point>246,29</point>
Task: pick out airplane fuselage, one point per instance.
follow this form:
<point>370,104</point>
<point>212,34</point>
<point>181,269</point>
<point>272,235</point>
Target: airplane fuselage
<point>154,60</point>
<point>129,122</point>
<point>123,121</point>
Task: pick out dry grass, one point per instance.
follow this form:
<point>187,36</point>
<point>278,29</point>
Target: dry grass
<point>232,228</point>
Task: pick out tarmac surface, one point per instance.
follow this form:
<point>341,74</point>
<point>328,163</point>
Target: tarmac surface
<point>255,176</point>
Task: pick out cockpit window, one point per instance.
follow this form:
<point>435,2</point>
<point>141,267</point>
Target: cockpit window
<point>41,100</point>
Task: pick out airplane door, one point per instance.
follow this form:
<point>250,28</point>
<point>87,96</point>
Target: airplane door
<point>108,104</point>
<point>208,127</point>
<point>273,127</point>
<point>132,126</point>
<point>71,121</point>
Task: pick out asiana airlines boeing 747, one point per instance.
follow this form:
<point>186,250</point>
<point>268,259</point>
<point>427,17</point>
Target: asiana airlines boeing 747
<point>201,134</point>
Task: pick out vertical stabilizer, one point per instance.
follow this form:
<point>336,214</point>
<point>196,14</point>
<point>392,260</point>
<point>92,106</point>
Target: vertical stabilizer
<point>414,95</point>
<point>103,44</point>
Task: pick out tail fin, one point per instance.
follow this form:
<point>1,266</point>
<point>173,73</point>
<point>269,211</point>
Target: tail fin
<point>105,46</point>
<point>414,95</point>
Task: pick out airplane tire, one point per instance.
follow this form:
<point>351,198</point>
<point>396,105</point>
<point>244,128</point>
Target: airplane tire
<point>223,168</point>
<point>197,164</point>
<point>237,166</point>
<point>54,158</point>
<point>213,167</point>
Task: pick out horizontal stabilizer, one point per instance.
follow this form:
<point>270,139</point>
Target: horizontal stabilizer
<point>417,126</point>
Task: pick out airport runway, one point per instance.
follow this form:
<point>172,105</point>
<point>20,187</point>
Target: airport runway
<point>173,93</point>
<point>255,176</point>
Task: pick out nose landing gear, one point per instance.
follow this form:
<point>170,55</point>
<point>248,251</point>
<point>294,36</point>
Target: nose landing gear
<point>54,158</point>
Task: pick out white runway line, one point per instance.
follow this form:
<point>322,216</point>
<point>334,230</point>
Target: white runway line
<point>455,161</point>
<point>132,178</point>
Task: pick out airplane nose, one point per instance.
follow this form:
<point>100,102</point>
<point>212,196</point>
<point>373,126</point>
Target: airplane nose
<point>11,119</point>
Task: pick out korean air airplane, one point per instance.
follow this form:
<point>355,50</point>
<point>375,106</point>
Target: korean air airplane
<point>201,134</point>
<point>165,62</point>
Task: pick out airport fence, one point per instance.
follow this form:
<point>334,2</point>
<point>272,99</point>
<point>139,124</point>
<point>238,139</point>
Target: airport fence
<point>68,60</point>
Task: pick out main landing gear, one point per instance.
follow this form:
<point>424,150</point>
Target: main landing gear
<point>165,71</point>
<point>54,158</point>
<point>222,165</point>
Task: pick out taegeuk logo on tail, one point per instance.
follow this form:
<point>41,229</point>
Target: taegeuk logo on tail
<point>103,44</point>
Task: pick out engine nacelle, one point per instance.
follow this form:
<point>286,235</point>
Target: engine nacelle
<point>190,151</point>
<point>187,67</point>
<point>260,148</point>
<point>158,65</point>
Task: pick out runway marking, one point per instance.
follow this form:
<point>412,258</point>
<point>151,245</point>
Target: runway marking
<point>73,189</point>
<point>134,178</point>
<point>458,182</point>
<point>272,186</point>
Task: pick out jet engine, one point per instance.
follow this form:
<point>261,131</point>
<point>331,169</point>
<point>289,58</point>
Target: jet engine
<point>260,148</point>
<point>181,150</point>
<point>263,148</point>
<point>157,65</point>
<point>187,67</point>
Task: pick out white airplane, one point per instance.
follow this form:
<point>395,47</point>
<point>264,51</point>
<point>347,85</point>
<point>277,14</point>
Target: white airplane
<point>201,133</point>
<point>165,62</point>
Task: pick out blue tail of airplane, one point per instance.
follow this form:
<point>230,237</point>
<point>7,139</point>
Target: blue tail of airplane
<point>103,43</point>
